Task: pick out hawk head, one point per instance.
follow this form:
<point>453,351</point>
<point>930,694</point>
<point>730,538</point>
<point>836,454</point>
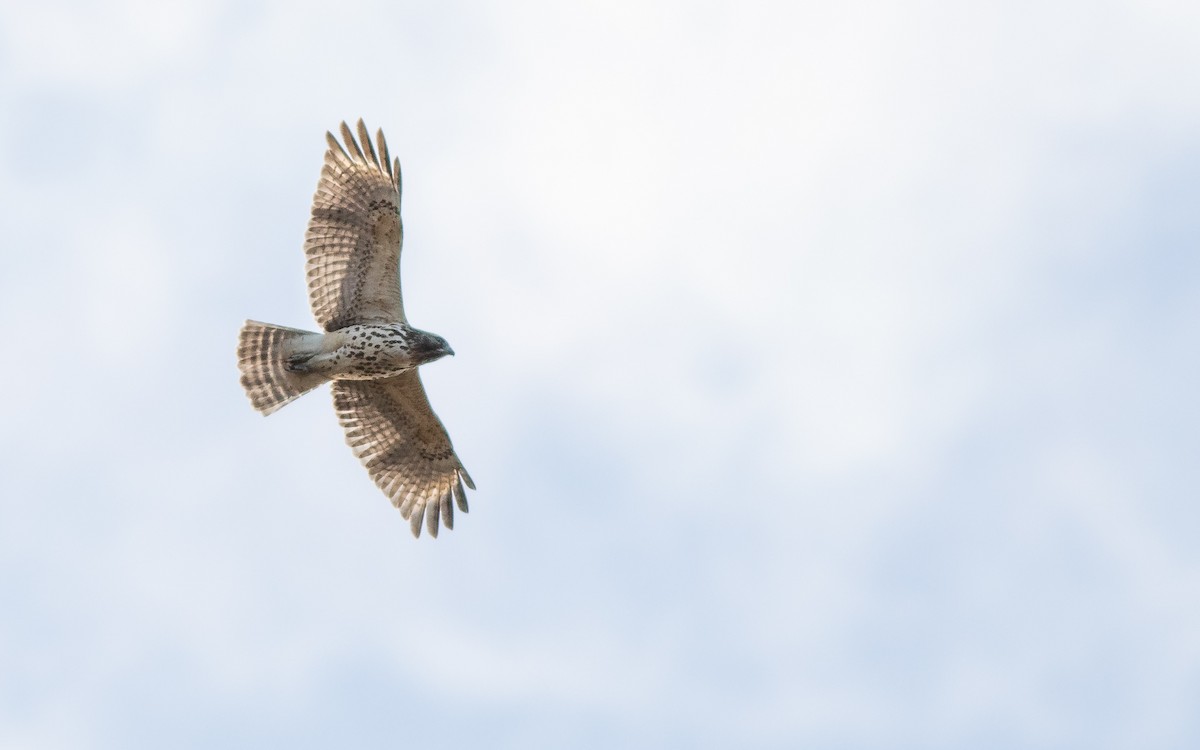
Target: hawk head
<point>427,347</point>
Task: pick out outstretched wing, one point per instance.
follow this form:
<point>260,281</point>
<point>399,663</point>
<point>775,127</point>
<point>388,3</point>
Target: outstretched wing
<point>404,446</point>
<point>354,236</point>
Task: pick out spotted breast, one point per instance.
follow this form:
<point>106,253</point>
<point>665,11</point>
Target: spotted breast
<point>363,352</point>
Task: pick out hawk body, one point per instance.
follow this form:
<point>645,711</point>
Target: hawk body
<point>368,349</point>
<point>369,352</point>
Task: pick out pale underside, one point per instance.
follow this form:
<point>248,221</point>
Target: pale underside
<point>353,270</point>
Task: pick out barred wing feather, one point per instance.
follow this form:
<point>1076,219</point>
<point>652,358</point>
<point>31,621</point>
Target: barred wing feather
<point>392,429</point>
<point>354,235</point>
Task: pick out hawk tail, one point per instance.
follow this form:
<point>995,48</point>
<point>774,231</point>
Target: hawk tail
<point>264,352</point>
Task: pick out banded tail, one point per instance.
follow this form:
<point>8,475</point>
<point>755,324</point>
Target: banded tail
<point>263,354</point>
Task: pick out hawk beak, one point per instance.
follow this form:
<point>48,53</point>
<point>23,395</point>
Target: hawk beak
<point>449,351</point>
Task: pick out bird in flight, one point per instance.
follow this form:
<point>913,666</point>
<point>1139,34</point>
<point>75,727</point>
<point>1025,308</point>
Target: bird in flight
<point>368,350</point>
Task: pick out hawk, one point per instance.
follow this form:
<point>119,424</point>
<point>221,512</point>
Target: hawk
<point>368,349</point>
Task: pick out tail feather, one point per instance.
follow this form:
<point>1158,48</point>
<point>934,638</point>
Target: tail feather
<point>263,354</point>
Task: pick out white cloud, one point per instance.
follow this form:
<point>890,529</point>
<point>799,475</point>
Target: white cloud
<point>102,47</point>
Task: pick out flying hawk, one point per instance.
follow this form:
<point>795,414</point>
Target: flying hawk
<point>368,349</point>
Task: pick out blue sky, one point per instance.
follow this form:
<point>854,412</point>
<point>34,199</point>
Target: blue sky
<point>828,372</point>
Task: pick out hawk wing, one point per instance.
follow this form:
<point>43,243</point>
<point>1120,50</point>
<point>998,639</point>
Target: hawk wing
<point>354,236</point>
<point>404,446</point>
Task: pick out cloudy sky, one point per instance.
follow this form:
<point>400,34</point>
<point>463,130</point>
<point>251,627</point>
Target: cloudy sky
<point>828,372</point>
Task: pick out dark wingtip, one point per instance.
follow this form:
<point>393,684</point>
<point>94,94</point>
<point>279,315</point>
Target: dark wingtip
<point>448,510</point>
<point>432,517</point>
<point>460,495</point>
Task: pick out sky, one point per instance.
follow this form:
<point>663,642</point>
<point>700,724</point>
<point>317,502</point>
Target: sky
<point>827,371</point>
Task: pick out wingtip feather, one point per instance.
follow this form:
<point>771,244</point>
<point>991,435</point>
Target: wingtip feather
<point>385,159</point>
<point>348,137</point>
<point>432,517</point>
<point>447,510</point>
<point>365,137</point>
<point>335,148</point>
<point>460,495</point>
